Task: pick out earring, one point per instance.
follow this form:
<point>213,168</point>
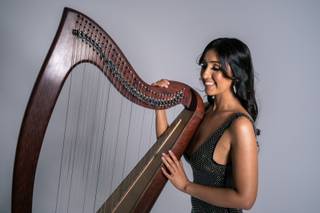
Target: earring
<point>234,88</point>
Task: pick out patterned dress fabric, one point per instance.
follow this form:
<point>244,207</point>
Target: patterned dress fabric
<point>207,172</point>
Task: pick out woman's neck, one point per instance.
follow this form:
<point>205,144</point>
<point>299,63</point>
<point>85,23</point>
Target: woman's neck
<point>226,102</point>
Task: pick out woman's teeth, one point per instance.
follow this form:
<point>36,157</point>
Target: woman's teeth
<point>209,83</point>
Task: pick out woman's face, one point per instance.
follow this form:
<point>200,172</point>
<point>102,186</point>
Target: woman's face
<point>212,76</point>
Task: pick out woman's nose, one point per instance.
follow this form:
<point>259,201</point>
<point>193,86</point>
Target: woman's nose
<point>206,73</point>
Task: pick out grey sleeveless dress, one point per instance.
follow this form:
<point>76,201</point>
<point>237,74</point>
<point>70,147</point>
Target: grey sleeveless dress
<point>207,172</point>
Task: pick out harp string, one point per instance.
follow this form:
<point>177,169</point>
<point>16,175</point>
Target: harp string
<point>102,146</point>
<point>77,139</point>
<point>81,128</point>
<point>121,66</point>
<point>63,146</point>
<point>88,142</point>
<point>141,132</point>
<point>74,41</point>
<point>101,141</point>
<point>152,129</point>
<point>113,143</point>
<point>73,140</point>
<point>127,141</point>
<point>115,148</point>
<point>89,167</point>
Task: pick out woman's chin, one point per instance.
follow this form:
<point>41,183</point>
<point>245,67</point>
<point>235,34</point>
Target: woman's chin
<point>210,92</point>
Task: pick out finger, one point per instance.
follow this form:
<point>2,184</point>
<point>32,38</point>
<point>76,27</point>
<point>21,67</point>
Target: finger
<point>166,82</point>
<point>181,163</point>
<point>159,84</point>
<point>168,165</point>
<point>173,156</point>
<point>165,173</point>
<point>177,162</point>
<point>162,83</point>
<point>170,161</point>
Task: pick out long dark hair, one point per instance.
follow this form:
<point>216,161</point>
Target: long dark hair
<point>234,52</point>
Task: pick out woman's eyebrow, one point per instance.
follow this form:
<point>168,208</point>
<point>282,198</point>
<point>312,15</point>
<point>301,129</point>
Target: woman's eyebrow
<point>213,62</point>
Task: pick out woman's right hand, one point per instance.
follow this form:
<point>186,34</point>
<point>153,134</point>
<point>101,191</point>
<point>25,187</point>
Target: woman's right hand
<point>161,83</point>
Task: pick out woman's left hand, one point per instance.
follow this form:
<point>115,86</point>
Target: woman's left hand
<point>175,171</point>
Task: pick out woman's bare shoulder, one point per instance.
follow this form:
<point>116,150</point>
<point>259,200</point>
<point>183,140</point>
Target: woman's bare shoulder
<point>242,129</point>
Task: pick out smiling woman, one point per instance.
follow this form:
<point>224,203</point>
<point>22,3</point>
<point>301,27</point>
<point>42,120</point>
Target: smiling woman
<point>224,151</point>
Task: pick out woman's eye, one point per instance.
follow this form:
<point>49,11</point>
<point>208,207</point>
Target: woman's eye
<point>216,68</point>
<point>203,66</point>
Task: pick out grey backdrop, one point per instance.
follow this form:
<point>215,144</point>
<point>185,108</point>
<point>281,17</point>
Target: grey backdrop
<point>163,39</point>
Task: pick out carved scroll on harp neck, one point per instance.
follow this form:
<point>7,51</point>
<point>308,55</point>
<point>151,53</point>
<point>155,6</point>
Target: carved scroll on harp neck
<point>124,79</point>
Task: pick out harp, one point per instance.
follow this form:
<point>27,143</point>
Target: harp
<point>141,187</point>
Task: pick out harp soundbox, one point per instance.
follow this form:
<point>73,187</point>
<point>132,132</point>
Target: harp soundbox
<point>140,189</point>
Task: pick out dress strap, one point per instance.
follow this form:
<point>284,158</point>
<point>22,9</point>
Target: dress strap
<point>233,117</point>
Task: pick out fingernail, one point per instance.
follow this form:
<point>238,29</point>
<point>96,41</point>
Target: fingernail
<point>170,151</point>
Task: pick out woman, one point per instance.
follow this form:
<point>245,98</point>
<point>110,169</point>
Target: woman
<point>224,152</point>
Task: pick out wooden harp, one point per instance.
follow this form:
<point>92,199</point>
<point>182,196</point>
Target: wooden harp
<point>140,189</point>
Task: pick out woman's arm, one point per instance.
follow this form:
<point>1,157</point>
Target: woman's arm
<point>161,122</point>
<point>245,172</point>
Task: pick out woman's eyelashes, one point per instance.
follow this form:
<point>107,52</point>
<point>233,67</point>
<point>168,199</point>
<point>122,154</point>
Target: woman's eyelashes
<point>214,67</point>
<point>203,66</point>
